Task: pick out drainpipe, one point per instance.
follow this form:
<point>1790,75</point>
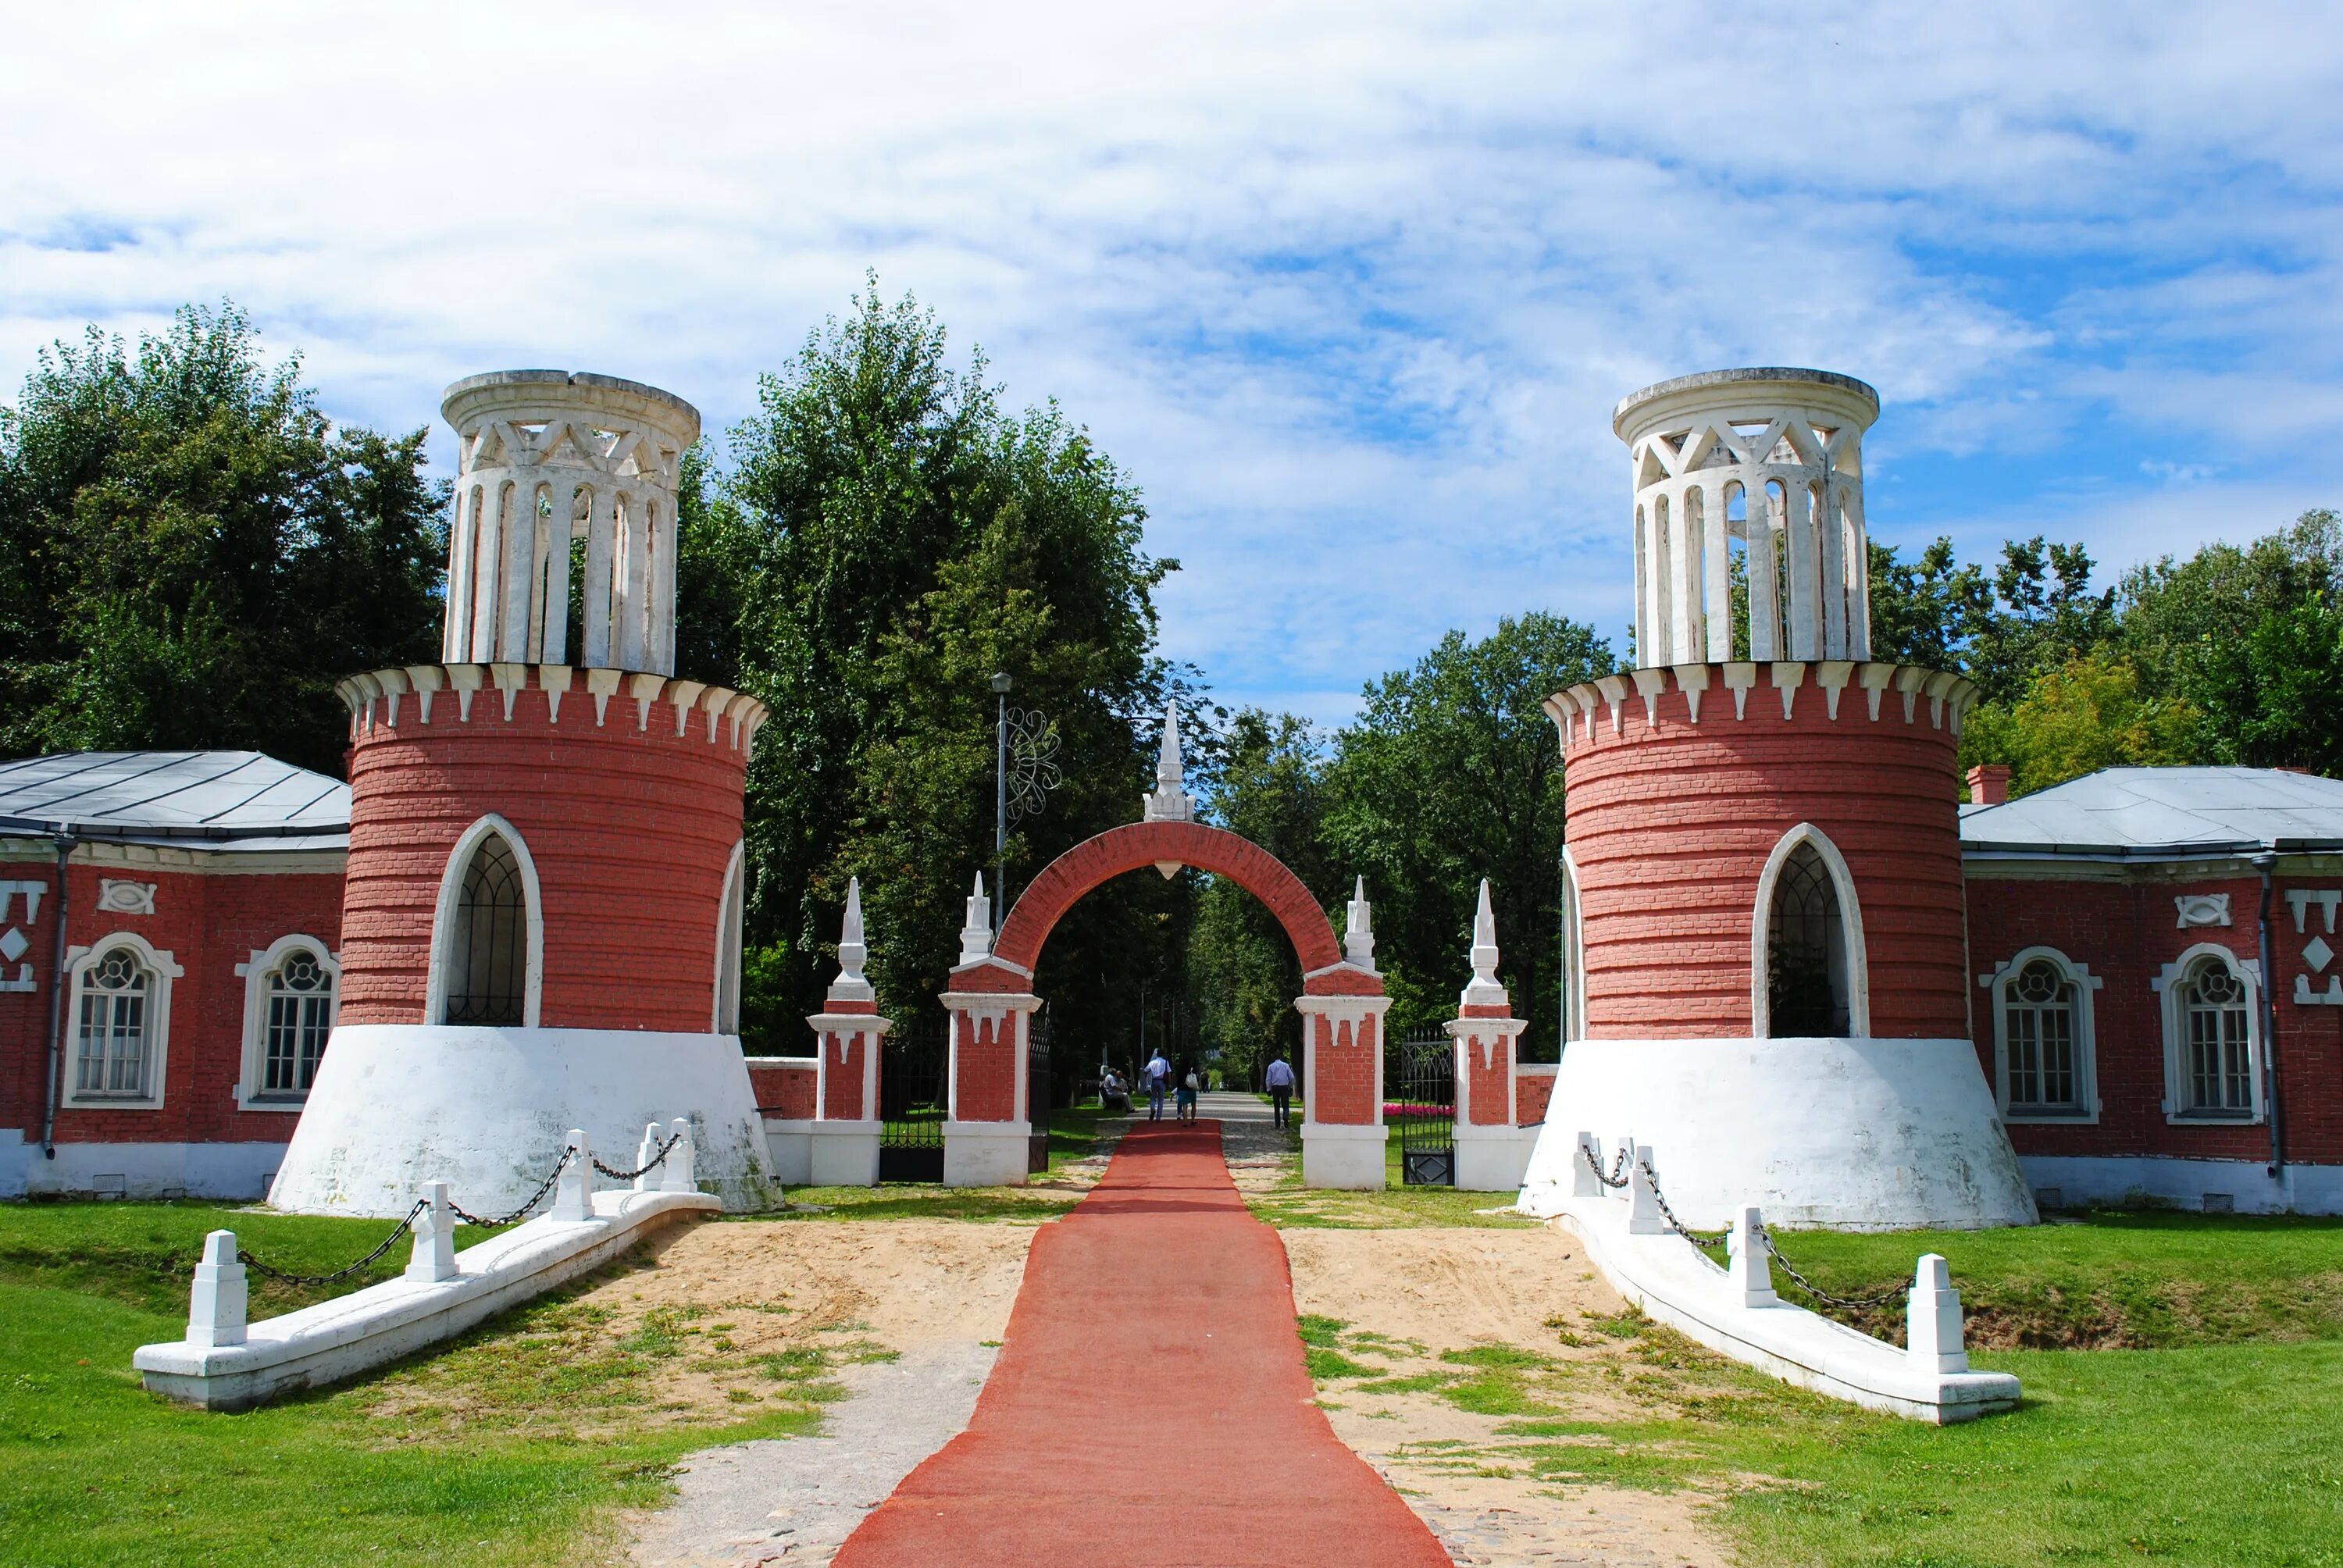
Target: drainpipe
<point>66,839</point>
<point>2264,863</point>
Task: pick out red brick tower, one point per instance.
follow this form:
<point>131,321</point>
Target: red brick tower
<point>1768,966</point>
<point>541,921</point>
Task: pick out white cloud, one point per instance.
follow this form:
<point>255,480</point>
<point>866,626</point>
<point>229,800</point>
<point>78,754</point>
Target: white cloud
<point>1351,290</point>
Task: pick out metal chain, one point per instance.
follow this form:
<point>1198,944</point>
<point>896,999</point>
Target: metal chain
<point>1817,1292</point>
<point>249,1262</point>
<point>654,1161</point>
<point>535,1198</point>
<point>1697,1238</point>
<point>1618,1177</point>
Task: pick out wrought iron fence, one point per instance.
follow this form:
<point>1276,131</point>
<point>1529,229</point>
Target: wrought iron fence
<point>913,1084</point>
<point>1039,1092</point>
<point>1420,1071</point>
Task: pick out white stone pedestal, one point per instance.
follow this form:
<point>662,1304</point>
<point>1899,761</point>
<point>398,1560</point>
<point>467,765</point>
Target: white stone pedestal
<point>985,1154</point>
<point>1493,1158</point>
<point>1347,1157</point>
<point>845,1153</point>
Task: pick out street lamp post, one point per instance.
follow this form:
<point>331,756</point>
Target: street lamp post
<point>999,797</point>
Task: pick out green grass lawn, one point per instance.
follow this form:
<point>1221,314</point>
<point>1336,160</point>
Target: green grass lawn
<point>401,1467</point>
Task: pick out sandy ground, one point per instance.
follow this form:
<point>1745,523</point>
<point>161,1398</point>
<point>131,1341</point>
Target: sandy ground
<point>926,1294</point>
<point>1426,1291</point>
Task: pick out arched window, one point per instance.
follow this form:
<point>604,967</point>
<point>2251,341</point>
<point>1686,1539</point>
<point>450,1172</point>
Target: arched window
<point>1574,956</point>
<point>2212,1036</point>
<point>115,995</point>
<point>291,990</point>
<point>2043,1037</point>
<point>488,946</point>
<point>1808,974</point>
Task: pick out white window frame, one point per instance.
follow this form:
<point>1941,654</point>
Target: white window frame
<point>1850,925</point>
<point>731,918</point>
<point>250,1095</point>
<point>2167,985</point>
<point>443,923</point>
<point>1575,958</point>
<point>2087,1051</point>
<point>164,969</point>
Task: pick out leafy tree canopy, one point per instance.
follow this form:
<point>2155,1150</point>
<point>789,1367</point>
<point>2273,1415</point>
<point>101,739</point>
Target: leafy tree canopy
<point>191,554</point>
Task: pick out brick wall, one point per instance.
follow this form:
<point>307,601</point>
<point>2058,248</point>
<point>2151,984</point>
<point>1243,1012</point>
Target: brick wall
<point>1670,826</point>
<point>630,830</point>
<point>2125,931</point>
<point>1533,1092</point>
<point>1344,1078</point>
<point>784,1086</point>
<point>209,922</point>
<point>985,1068</point>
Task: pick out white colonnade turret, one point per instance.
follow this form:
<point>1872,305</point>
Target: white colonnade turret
<point>1769,461</point>
<point>545,458</point>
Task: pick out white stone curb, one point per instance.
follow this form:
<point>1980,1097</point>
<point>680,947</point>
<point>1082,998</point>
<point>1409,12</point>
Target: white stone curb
<point>338,1339</point>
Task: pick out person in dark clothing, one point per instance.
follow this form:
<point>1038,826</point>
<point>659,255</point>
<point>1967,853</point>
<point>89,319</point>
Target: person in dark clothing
<point>1280,1081</point>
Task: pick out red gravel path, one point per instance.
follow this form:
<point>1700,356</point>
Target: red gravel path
<point>1151,1405</point>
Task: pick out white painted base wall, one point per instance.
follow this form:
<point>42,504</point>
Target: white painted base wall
<point>845,1153</point>
<point>789,1147</point>
<point>983,1153</point>
<point>486,1110</point>
<point>1346,1158</point>
<point>1852,1134</point>
<point>236,1171</point>
<point>339,1339</point>
<point>1493,1158</point>
<point>2084,1180</point>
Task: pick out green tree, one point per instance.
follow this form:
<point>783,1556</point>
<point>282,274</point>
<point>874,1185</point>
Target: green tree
<point>895,537</point>
<point>1926,610</point>
<point>2087,714</point>
<point>191,553</point>
<point>1451,773</point>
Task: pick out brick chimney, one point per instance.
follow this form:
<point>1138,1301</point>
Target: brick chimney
<point>1989,783</point>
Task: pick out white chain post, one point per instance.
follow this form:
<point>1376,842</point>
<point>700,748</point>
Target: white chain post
<point>216,1309</point>
<point>573,1199</point>
<point>434,1258</point>
<point>647,1180</point>
<point>1750,1265</point>
<point>1585,1181</point>
<point>1644,1216</point>
<point>679,1178</point>
<point>1932,1319</point>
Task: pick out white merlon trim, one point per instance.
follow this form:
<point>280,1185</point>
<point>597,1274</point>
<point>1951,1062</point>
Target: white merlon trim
<point>644,686</point>
<point>685,695</point>
<point>1649,685</point>
<point>1614,692</point>
<point>1909,678</point>
<point>1787,675</point>
<point>465,678</point>
<point>426,678</point>
<point>1692,679</point>
<point>1740,679</point>
<point>1831,675</point>
<point>1936,686</point>
<point>1874,680</point>
<point>603,685</point>
<point>510,678</point>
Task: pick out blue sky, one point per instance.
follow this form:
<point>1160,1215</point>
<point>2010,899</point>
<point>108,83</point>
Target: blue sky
<point>1350,289</point>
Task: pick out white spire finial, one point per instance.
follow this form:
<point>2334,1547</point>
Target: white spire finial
<point>1170,802</point>
<point>853,953</point>
<point>1359,932</point>
<point>976,936</point>
<point>1484,990</point>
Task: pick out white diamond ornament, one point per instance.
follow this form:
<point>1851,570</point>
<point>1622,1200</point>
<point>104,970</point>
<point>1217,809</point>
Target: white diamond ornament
<point>2314,953</point>
<point>13,945</point>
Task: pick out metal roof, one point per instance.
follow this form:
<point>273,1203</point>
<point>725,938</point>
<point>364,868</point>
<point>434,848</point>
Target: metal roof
<point>2149,813</point>
<point>222,799</point>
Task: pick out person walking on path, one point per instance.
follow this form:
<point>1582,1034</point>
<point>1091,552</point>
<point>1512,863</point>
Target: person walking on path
<point>1158,1073</point>
<point>1188,1088</point>
<point>1280,1080</point>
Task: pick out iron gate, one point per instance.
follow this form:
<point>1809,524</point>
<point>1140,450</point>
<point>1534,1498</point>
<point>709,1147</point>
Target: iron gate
<point>1422,1077</point>
<point>912,1078</point>
<point>1039,1092</point>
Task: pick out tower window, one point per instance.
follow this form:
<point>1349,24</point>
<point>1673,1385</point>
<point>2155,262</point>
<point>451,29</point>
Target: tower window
<point>488,950</point>
<point>1806,971</point>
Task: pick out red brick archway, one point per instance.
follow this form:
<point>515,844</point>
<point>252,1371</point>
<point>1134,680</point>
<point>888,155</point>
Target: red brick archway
<point>1141,844</point>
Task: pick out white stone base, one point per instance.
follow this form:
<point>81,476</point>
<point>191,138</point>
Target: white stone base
<point>1674,1282</point>
<point>1493,1158</point>
<point>486,1110</point>
<point>983,1153</point>
<point>1854,1134</point>
<point>846,1153</point>
<point>338,1339</point>
<point>789,1147</point>
<point>237,1172</point>
<point>1341,1156</point>
<point>2080,1180</point>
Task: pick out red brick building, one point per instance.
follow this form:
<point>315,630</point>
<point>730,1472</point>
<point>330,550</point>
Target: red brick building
<point>192,902</point>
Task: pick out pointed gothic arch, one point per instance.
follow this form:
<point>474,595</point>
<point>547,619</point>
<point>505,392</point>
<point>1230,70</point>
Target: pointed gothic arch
<point>1849,920</point>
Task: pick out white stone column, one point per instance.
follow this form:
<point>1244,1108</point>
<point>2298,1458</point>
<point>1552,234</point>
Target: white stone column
<point>1834,575</point>
<point>1683,577</point>
<point>1765,572</point>
<point>1798,534</point>
<point>626,599</point>
<point>557,573</point>
<point>1716,536</point>
<point>456,642</point>
<point>519,571</point>
<point>487,556</point>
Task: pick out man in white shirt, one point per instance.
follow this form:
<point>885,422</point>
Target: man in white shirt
<point>1280,1080</point>
<point>1158,1073</point>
